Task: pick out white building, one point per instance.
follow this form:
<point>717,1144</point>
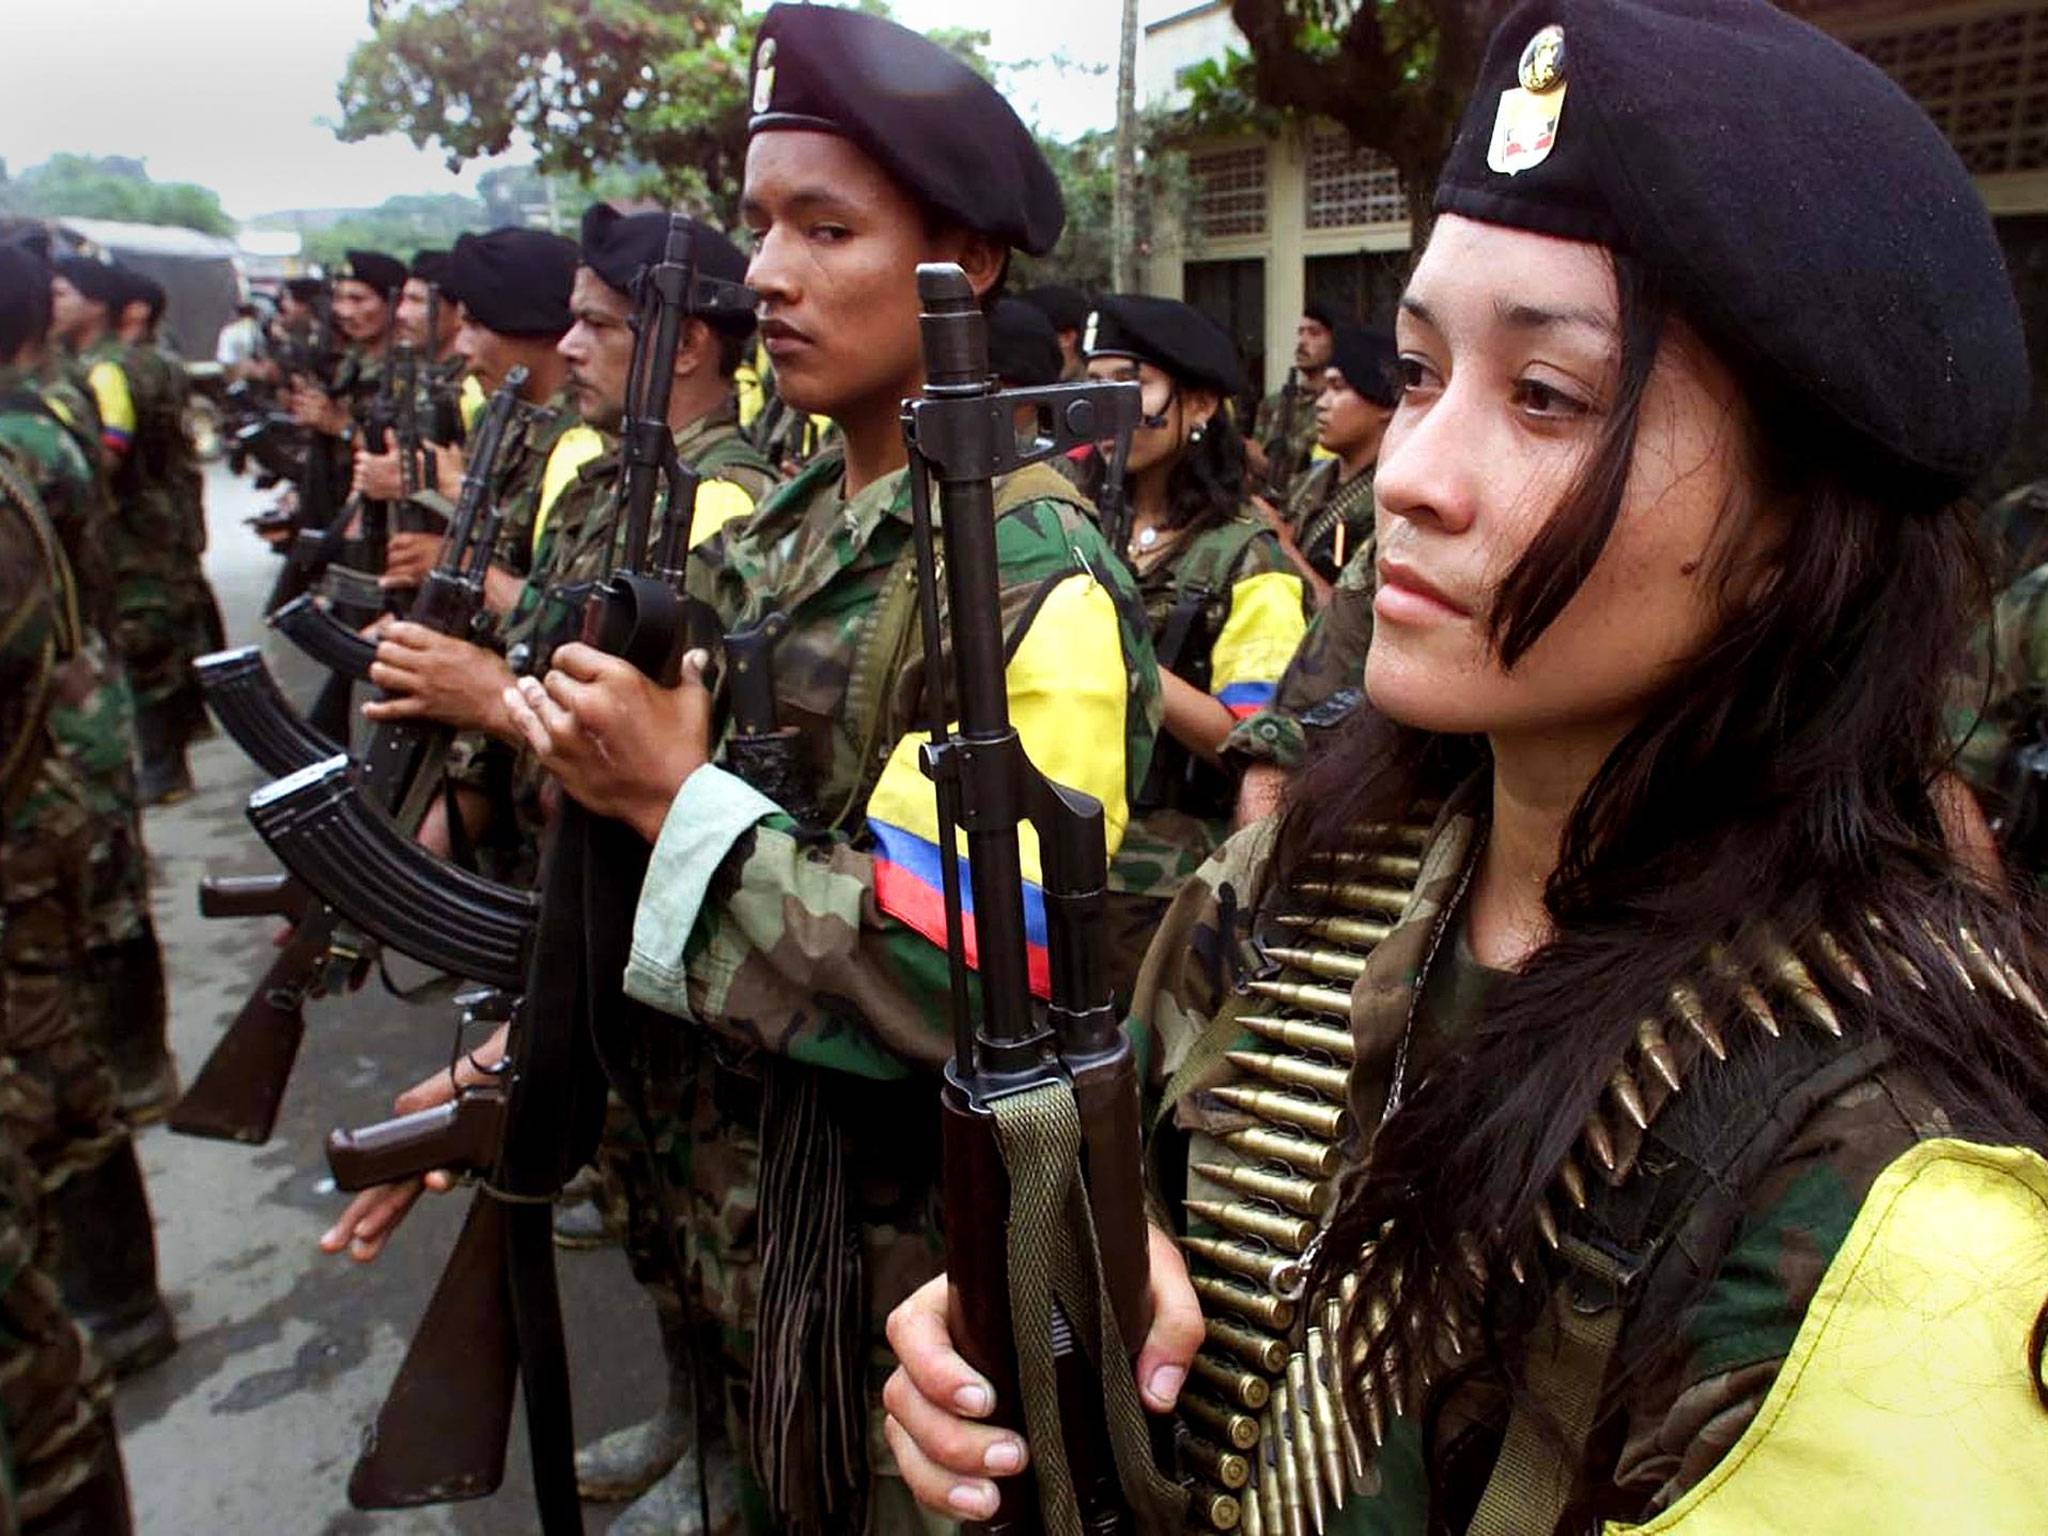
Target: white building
<point>1270,223</point>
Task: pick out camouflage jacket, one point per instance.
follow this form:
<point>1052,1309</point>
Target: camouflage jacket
<point>1330,516</point>
<point>1225,611</point>
<point>541,455</point>
<point>2001,702</point>
<point>73,494</point>
<point>1325,680</point>
<point>38,635</point>
<point>1699,1390</point>
<point>1292,436</point>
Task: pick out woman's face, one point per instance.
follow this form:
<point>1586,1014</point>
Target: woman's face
<point>1511,356</point>
<point>1177,411</point>
<point>1346,422</point>
<point>836,249</point>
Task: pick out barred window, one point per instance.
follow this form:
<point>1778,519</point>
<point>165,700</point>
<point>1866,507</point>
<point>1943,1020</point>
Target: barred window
<point>1983,79</point>
<point>1350,186</point>
<point>1229,192</point>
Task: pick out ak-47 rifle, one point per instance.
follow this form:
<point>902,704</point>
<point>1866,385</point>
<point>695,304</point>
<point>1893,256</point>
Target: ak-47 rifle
<point>238,1090</point>
<point>252,709</point>
<point>323,518</point>
<point>1280,464</point>
<point>441,1432</point>
<point>1038,1116</point>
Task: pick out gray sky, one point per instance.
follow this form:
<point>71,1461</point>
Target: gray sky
<point>230,93</point>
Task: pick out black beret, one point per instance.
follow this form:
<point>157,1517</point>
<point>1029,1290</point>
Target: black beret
<point>619,246</point>
<point>1807,217</point>
<point>429,267</point>
<point>384,273</point>
<point>1324,313</point>
<point>34,237</point>
<point>24,297</point>
<point>1366,357</point>
<point>1173,337</point>
<point>305,289</point>
<point>144,289</point>
<point>1065,306</point>
<point>514,281</point>
<point>945,134</point>
<point>1023,348</point>
<point>99,281</point>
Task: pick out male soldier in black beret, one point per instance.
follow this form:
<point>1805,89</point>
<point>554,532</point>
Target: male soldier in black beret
<point>1283,435</point>
<point>365,298</point>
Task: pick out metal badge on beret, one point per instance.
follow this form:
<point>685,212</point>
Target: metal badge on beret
<point>1525,127</point>
<point>1542,66</point>
<point>764,75</point>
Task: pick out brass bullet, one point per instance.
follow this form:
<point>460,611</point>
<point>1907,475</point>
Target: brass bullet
<point>1230,1468</point>
<point>1396,866</point>
<point>1289,1232</point>
<point>1291,1506</point>
<point>1572,1179</point>
<point>1790,972</point>
<point>1358,895</point>
<point>1331,1001</point>
<point>1400,834</point>
<point>1237,1430</point>
<point>1217,1511</point>
<point>1546,1224</point>
<point>1233,1296</point>
<point>1375,1412</point>
<point>1254,1523</point>
<point>1303,1443</point>
<point>1267,1478</point>
<point>1948,955</point>
<point>1301,1035</point>
<point>1599,1141</point>
<point>1322,1397</point>
<point>1233,1383</point>
<point>1323,960</point>
<point>1248,1344</point>
<point>1626,1094</point>
<point>1295,1072</point>
<point>1330,1121</point>
<point>1303,1195</point>
<point>1280,1275</point>
<point>1319,1159</point>
<point>1982,964</point>
<point>1746,994</point>
<point>1354,1448</point>
<point>1840,961</point>
<point>1692,1013</point>
<point>1339,930</point>
<point>1656,1050</point>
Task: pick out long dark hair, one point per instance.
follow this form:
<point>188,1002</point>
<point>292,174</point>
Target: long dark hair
<point>1205,487</point>
<point>1786,775</point>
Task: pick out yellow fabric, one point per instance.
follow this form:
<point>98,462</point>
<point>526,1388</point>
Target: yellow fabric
<point>469,401</point>
<point>61,409</point>
<point>110,393</point>
<point>1067,696</point>
<point>1262,632</point>
<point>746,383</point>
<point>718,502</point>
<point>573,449</point>
<point>1905,1405</point>
<point>1318,453</point>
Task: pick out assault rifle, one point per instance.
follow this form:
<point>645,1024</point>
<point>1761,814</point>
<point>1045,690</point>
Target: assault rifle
<point>1056,1339</point>
<point>321,511</point>
<point>1280,464</point>
<point>238,1091</point>
<point>252,709</point>
<point>440,1434</point>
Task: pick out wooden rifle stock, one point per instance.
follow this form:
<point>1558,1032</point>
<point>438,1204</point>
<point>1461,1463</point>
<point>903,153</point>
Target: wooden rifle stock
<point>252,896</point>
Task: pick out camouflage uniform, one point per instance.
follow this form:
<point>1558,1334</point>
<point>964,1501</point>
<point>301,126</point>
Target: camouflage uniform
<point>1330,516</point>
<point>1696,1394</point>
<point>822,949</point>
<point>1225,610</point>
<point>1325,681</point>
<point>1296,445</point>
<point>120,988</point>
<point>523,480</point>
<point>55,1395</point>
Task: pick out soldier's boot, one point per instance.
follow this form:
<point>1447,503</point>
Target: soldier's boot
<point>627,1463</point>
<point>121,994</point>
<point>106,1262</point>
<point>580,1224</point>
<point>163,777</point>
<point>98,1506</point>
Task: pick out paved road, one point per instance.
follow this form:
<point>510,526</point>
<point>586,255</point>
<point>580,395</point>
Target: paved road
<point>253,1425</point>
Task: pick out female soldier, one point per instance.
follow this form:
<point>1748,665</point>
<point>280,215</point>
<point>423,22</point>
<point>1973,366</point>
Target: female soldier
<point>1705,1189</point>
<point>1329,512</point>
<point>1225,609</point>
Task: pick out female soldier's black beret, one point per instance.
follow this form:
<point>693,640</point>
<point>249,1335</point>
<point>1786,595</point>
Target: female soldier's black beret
<point>941,131</point>
<point>1173,337</point>
<point>1805,214</point>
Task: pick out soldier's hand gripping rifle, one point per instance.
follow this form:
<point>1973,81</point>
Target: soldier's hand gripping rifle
<point>440,1433</point>
<point>238,1091</point>
<point>1037,1116</point>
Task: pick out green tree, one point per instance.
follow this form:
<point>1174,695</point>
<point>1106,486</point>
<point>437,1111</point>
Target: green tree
<point>111,187</point>
<point>633,98</point>
<point>1394,74</point>
<point>398,226</point>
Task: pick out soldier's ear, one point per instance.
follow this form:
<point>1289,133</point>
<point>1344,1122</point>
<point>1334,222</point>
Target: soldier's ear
<point>985,261</point>
<point>699,350</point>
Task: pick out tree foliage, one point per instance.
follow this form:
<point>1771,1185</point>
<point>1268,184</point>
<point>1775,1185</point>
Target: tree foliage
<point>1394,74</point>
<point>647,97</point>
<point>398,226</point>
<point>111,187</point>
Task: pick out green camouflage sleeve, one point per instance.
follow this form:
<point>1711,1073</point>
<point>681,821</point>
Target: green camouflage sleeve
<point>828,947</point>
<point>1691,1406</point>
<point>1999,697</point>
<point>1324,676</point>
